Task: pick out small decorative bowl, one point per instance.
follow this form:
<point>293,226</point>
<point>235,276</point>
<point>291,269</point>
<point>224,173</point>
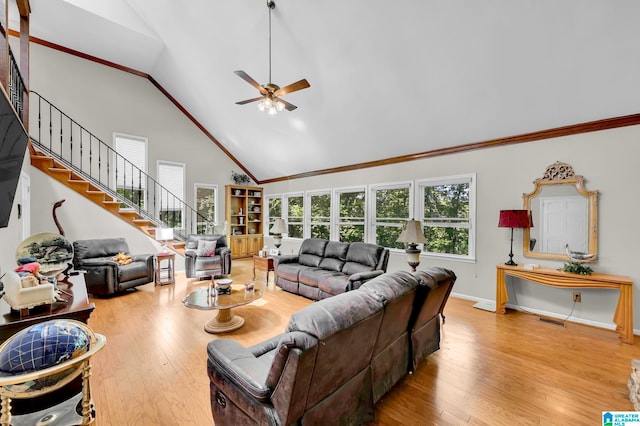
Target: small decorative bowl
<point>224,283</point>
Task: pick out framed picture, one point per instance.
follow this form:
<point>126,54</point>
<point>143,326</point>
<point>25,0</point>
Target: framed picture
<point>274,252</point>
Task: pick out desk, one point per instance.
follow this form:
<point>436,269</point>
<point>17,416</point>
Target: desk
<point>264,264</point>
<point>169,277</point>
<point>623,317</point>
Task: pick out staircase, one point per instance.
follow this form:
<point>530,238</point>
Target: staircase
<point>79,160</point>
<point>69,178</point>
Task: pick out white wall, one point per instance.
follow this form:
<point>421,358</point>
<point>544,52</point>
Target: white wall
<point>106,101</point>
<point>606,159</point>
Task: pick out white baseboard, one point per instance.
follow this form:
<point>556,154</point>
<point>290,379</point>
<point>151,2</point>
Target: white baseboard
<point>490,305</point>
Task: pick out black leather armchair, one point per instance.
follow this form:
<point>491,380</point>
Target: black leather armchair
<point>105,276</point>
<point>207,266</point>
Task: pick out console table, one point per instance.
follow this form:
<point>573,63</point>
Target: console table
<point>77,307</point>
<point>623,317</point>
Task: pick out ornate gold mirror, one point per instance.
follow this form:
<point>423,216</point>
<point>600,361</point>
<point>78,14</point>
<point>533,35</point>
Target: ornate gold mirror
<point>565,215</point>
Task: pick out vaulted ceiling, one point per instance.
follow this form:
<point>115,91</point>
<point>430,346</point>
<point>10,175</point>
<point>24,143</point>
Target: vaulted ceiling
<point>387,78</point>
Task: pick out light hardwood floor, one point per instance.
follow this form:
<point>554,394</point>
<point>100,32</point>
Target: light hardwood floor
<point>491,369</point>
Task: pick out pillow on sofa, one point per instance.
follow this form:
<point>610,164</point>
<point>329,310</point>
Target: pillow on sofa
<point>206,248</point>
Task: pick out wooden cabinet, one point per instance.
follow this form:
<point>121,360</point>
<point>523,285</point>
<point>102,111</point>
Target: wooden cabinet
<point>238,245</point>
<point>243,213</point>
<point>254,244</point>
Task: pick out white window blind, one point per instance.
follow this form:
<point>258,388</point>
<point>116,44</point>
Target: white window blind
<point>131,160</point>
<point>171,176</point>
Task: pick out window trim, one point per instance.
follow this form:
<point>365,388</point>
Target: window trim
<point>416,209</point>
<point>266,220</point>
<point>449,180</point>
<point>307,211</point>
<point>372,207</point>
<point>335,207</point>
<point>285,211</point>
<point>216,198</point>
<point>145,166</point>
<point>182,209</point>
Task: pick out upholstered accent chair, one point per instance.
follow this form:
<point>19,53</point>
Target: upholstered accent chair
<point>201,260</point>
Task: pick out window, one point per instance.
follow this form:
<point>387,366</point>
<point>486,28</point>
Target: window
<point>295,215</point>
<point>131,168</point>
<point>171,208</point>
<point>350,221</point>
<point>274,206</point>
<point>205,196</point>
<point>319,204</point>
<point>447,210</point>
<point>390,209</point>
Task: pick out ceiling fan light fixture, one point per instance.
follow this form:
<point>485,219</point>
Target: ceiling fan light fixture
<point>269,100</point>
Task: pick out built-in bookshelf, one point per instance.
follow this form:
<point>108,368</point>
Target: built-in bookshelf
<point>243,213</point>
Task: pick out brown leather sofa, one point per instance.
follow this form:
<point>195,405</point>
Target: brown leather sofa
<point>324,268</point>
<point>207,266</point>
<point>306,375</point>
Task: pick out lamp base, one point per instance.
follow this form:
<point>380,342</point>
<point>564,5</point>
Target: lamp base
<point>510,262</point>
<point>413,256</point>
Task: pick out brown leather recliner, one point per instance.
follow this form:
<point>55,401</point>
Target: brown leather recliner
<point>425,326</point>
<point>307,375</point>
<point>104,275</point>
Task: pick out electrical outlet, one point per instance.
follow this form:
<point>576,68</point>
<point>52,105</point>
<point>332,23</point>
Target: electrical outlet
<point>577,297</point>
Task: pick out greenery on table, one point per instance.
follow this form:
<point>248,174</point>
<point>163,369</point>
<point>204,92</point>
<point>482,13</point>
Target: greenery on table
<point>576,268</point>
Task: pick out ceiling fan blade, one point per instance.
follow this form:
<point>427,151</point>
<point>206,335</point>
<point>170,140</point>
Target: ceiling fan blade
<point>287,105</point>
<point>259,98</point>
<point>298,85</point>
<point>243,75</point>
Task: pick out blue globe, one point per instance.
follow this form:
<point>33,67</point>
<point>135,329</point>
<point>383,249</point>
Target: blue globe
<point>44,345</point>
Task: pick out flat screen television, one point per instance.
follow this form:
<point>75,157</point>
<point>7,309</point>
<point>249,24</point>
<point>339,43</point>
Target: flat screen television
<point>13,144</point>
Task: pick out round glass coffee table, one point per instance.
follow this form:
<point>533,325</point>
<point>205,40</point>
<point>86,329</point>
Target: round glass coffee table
<point>225,320</point>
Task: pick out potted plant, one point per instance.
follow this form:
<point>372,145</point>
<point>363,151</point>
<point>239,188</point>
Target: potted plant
<point>240,178</point>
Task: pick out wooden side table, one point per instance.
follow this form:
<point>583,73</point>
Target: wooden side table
<point>169,277</point>
<point>264,264</point>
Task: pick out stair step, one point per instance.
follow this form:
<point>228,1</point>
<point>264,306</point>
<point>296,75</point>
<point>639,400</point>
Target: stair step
<point>61,175</point>
<point>130,214</point>
<point>41,161</point>
<point>141,222</point>
<point>79,185</point>
<point>97,196</point>
<point>112,206</point>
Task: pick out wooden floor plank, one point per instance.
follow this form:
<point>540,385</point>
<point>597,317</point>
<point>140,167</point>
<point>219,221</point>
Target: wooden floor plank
<point>491,369</point>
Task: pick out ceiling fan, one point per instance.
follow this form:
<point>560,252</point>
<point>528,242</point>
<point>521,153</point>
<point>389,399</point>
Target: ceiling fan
<point>270,100</point>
